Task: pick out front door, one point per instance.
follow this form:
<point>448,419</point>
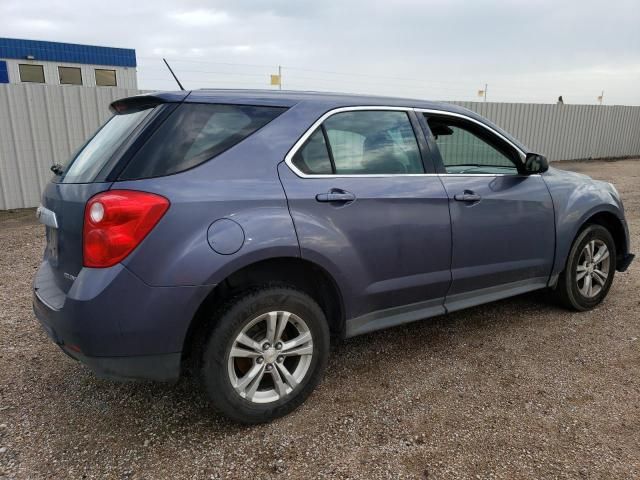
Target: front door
<point>365,210</point>
<point>503,227</point>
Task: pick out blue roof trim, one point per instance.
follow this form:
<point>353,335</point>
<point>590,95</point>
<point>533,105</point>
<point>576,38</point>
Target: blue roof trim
<point>4,74</point>
<point>67,52</point>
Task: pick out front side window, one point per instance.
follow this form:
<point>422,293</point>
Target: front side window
<point>70,76</point>
<point>31,73</point>
<point>367,142</point>
<point>195,133</point>
<point>465,148</point>
<point>105,78</point>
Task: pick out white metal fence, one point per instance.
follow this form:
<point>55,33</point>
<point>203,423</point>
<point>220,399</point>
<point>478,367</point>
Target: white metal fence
<point>43,124</point>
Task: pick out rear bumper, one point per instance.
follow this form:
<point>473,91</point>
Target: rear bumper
<point>116,324</point>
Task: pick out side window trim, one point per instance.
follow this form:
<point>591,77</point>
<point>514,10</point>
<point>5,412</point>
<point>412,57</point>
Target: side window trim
<point>319,123</point>
<point>433,153</point>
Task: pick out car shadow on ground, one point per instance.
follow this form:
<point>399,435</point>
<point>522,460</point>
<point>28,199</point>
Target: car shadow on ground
<point>184,406</point>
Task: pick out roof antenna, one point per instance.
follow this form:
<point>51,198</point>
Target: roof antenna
<point>174,75</point>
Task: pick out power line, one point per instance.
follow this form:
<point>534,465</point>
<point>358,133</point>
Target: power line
<point>371,82</point>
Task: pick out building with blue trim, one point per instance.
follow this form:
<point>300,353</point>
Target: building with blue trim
<point>54,63</point>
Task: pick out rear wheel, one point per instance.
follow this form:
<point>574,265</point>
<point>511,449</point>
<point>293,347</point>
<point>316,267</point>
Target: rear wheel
<point>590,268</point>
<point>267,352</point>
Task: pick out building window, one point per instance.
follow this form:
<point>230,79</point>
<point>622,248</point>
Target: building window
<point>70,75</point>
<point>31,73</point>
<point>105,78</point>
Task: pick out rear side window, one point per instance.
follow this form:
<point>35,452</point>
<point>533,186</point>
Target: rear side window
<point>313,158</point>
<point>371,142</point>
<point>194,133</point>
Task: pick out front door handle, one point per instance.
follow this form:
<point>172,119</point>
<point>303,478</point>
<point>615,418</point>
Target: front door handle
<point>338,196</point>
<point>467,196</point>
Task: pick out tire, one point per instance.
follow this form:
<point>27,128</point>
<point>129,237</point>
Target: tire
<point>572,291</point>
<point>264,398</point>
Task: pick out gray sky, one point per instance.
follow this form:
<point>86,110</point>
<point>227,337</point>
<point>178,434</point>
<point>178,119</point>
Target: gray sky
<point>437,49</point>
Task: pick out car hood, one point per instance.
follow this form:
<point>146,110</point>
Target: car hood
<point>556,172</point>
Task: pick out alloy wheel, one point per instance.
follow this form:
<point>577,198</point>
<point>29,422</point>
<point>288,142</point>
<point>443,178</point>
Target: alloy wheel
<point>270,357</point>
<point>592,270</point>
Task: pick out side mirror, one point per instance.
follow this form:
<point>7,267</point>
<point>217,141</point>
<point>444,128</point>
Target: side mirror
<point>535,163</point>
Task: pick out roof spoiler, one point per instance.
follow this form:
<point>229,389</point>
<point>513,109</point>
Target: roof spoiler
<point>135,104</point>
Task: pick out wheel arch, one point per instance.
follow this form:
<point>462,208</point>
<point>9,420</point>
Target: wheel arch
<point>611,222</point>
<point>309,277</point>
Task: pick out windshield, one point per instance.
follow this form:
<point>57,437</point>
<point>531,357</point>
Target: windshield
<point>95,154</point>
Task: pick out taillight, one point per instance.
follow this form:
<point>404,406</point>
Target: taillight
<point>115,222</point>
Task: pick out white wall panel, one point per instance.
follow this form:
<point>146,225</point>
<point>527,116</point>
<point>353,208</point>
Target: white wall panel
<point>41,125</point>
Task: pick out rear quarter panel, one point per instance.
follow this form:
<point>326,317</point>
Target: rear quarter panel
<point>241,184</point>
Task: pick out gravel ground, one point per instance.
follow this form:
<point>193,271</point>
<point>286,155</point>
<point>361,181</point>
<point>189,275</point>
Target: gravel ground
<point>515,389</point>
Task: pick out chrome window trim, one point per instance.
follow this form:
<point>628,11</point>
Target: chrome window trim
<point>300,142</point>
<point>296,146</point>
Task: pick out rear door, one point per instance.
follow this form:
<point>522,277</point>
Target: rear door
<point>365,208</point>
<point>502,220</point>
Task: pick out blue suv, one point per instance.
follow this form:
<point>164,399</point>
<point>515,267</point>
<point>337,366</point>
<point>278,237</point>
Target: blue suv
<point>233,234</point>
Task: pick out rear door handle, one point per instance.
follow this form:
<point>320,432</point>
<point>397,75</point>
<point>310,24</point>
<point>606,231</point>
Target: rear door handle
<point>467,196</point>
<point>339,196</point>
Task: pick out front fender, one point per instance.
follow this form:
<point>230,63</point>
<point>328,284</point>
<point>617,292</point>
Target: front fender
<point>577,198</point>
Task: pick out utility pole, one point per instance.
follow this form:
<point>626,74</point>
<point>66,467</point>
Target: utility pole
<point>280,76</point>
<point>601,98</point>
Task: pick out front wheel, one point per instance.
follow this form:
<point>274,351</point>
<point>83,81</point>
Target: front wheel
<point>590,268</point>
<point>265,355</point>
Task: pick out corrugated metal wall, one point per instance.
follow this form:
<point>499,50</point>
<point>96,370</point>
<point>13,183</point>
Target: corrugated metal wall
<point>43,124</point>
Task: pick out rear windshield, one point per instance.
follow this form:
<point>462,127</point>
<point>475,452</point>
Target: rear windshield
<point>194,133</point>
<point>94,155</point>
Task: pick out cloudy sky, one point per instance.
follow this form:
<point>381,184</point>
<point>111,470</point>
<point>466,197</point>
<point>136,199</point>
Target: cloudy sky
<point>437,49</point>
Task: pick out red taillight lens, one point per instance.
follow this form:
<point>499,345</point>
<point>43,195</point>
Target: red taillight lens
<point>115,222</point>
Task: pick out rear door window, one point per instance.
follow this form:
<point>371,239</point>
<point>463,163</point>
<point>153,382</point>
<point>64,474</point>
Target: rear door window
<point>195,133</point>
<point>370,142</point>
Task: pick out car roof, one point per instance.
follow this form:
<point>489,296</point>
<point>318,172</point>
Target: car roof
<point>288,98</point>
<point>329,100</point>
